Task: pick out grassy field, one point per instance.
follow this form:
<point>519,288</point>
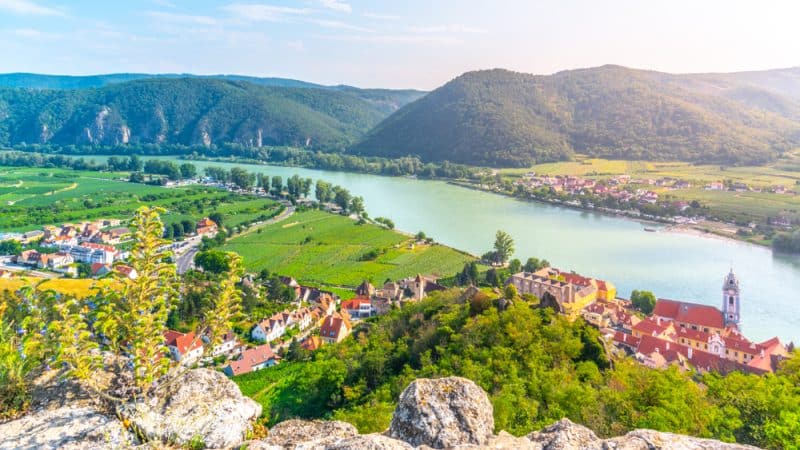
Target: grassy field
<point>752,205</point>
<point>33,197</point>
<point>325,249</point>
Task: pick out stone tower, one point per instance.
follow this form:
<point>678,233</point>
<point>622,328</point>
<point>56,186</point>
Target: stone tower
<point>730,300</point>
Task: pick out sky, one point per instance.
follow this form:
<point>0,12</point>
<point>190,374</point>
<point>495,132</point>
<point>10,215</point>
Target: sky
<point>398,44</point>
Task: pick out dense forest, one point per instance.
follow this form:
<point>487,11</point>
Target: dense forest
<point>503,118</point>
<point>193,111</point>
<point>537,368</point>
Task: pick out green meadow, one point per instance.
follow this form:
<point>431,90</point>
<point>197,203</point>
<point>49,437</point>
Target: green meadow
<point>330,250</point>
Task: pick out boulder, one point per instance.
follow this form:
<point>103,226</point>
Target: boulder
<point>199,405</point>
<point>305,435</point>
<point>67,427</point>
<point>565,435</point>
<point>370,442</point>
<point>502,441</point>
<point>443,413</point>
<point>656,440</point>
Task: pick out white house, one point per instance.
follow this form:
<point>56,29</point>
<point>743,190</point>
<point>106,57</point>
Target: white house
<point>183,347</point>
<point>270,329</point>
<point>251,360</point>
<point>229,346</point>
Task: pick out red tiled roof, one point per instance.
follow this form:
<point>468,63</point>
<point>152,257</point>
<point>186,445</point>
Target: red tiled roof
<point>626,339</point>
<point>182,341</point>
<point>332,326</point>
<point>574,278</point>
<point>650,325</point>
<point>97,266</point>
<point>252,357</point>
<point>312,343</point>
<point>123,269</point>
<point>355,303</point>
<point>691,313</point>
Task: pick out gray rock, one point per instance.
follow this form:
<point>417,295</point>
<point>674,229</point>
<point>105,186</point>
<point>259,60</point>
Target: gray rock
<point>565,435</point>
<point>70,428</point>
<point>655,440</point>
<point>200,404</point>
<point>443,413</point>
<point>370,442</point>
<point>305,435</point>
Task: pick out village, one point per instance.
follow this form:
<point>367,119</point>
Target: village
<point>685,334</point>
<point>624,195</point>
<point>316,318</point>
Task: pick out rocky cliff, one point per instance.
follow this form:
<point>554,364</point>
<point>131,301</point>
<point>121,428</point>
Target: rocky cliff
<point>203,408</point>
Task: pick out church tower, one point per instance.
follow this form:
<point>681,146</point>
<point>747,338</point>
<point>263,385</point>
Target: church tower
<point>730,300</point>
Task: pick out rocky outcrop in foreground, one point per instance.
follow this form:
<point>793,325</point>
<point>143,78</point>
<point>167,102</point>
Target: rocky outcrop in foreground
<point>204,406</point>
<point>200,405</point>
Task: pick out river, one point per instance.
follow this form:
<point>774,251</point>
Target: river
<point>673,265</point>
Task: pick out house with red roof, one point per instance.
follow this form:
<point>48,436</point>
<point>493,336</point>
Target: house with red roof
<point>126,271</point>
<point>184,347</point>
<point>312,343</point>
<point>359,307</point>
<point>206,227</point>
<point>335,328</point>
<point>251,360</point>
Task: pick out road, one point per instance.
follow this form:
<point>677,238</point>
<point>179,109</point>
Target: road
<point>185,256</point>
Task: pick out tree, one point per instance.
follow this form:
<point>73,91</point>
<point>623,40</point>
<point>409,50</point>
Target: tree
<point>188,170</point>
<point>217,218</point>
<point>503,246</point>
<point>217,174</point>
<point>357,205</point>
<point>135,164</point>
<point>177,230</point>
<point>213,261</point>
<point>644,301</point>
<point>277,185</point>
<point>242,178</point>
<point>323,191</point>
<point>420,236</point>
<point>510,292</point>
<point>515,266</point>
<point>535,264</point>
<point>10,247</point>
<point>341,197</point>
<point>188,226</point>
<point>493,277</point>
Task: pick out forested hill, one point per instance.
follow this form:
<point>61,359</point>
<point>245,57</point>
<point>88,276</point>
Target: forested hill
<point>503,118</point>
<point>194,111</point>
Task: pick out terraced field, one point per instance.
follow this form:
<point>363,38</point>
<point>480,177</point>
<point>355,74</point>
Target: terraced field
<point>325,249</point>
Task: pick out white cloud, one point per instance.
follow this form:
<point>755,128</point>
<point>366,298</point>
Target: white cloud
<point>34,35</point>
<point>456,28</point>
<point>296,45</point>
<point>395,39</point>
<point>336,5</point>
<point>335,24</point>
<point>182,18</point>
<point>370,15</point>
<point>265,13</point>
<point>28,7</point>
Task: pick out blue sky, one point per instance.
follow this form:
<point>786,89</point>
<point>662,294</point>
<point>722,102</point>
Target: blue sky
<point>400,43</point>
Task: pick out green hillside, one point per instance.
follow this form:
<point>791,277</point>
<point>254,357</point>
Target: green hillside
<point>503,118</point>
<point>194,111</point>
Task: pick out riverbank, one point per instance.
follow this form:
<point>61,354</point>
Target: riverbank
<point>704,228</point>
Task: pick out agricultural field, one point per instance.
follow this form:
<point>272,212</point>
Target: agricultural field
<point>330,250</point>
<point>33,197</point>
<point>785,171</point>
<point>67,286</point>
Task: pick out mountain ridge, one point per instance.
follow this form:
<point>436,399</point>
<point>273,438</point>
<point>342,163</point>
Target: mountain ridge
<point>505,118</point>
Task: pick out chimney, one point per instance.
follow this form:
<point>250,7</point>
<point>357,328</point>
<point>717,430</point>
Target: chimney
<point>667,345</point>
<point>690,352</point>
<point>658,320</point>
